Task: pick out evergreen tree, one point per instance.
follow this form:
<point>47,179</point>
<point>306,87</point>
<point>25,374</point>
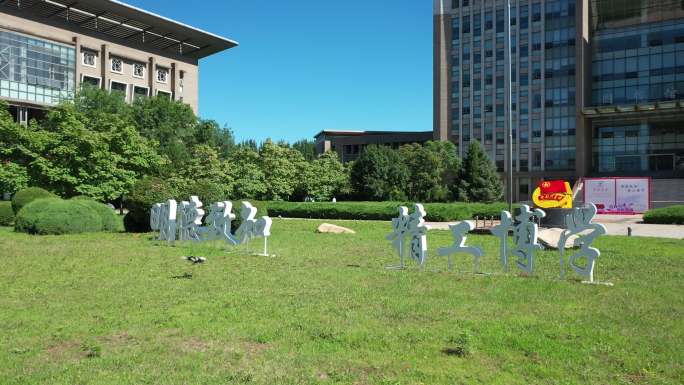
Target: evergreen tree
<point>380,174</point>
<point>307,148</point>
<point>480,181</point>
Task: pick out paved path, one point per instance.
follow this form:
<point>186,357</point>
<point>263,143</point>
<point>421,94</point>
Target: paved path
<point>615,225</point>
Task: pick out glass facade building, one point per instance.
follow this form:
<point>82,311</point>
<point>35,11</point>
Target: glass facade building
<point>596,85</point>
<point>34,70</point>
<point>543,81</point>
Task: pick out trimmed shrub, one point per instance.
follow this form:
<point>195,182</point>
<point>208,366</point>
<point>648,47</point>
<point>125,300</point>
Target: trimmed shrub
<point>57,216</point>
<point>143,195</point>
<point>437,212</point>
<point>6,214</point>
<point>110,220</point>
<point>28,195</point>
<point>672,215</point>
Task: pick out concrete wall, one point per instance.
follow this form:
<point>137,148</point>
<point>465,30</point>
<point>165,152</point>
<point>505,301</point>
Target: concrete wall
<point>106,49</point>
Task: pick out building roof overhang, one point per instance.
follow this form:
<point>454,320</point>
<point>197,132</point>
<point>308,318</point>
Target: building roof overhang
<point>126,23</point>
<point>633,109</point>
<point>368,133</point>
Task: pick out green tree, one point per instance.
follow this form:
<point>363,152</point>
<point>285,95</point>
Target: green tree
<point>172,124</point>
<point>243,167</point>
<point>379,173</point>
<point>72,154</point>
<point>307,148</point>
<point>432,167</point>
<point>204,175</point>
<point>480,178</point>
<point>13,177</point>
<point>209,133</point>
<point>326,177</point>
<point>280,166</point>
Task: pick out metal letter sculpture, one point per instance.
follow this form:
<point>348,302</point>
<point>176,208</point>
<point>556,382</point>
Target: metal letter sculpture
<point>399,232</point>
<point>525,238</point>
<point>501,232</point>
<point>251,228</point>
<point>418,231</point>
<point>163,219</point>
<point>577,222</point>
<point>155,216</point>
<point>459,232</point>
<point>218,222</point>
<point>191,214</point>
<point>410,225</point>
<point>523,248</point>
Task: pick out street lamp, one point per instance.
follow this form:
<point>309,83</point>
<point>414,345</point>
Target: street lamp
<point>510,113</point>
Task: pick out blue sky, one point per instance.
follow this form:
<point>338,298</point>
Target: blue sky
<point>307,65</point>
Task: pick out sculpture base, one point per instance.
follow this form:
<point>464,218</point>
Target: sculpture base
<point>555,218</point>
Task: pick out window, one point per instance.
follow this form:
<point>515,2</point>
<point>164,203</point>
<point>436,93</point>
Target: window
<point>163,94</point>
<point>162,75</point>
<point>118,88</point>
<point>89,59</point>
<point>139,92</point>
<point>36,71</point>
<point>90,81</point>
<point>138,70</point>
<point>117,65</point>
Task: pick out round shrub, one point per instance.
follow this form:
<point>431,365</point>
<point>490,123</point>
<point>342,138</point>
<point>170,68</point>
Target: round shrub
<point>28,195</point>
<point>671,215</point>
<point>145,193</point>
<point>57,216</point>
<point>110,221</point>
<point>6,214</point>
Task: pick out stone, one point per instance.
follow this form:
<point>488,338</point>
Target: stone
<point>333,229</point>
<point>551,237</point>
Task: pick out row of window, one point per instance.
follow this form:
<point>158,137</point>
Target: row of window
<point>117,65</point>
<point>129,92</point>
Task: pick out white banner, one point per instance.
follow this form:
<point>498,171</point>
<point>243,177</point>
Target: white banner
<point>600,192</point>
<point>618,195</point>
<point>632,195</point>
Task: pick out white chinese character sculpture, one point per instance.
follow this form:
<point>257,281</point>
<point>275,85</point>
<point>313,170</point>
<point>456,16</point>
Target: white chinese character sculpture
<point>578,222</point>
<point>459,232</point>
<point>525,238</point>
<point>399,232</point>
<point>501,232</point>
<point>191,214</point>
<point>413,226</point>
<point>155,216</point>
<point>218,222</point>
<point>163,219</point>
<point>251,228</point>
<point>418,231</point>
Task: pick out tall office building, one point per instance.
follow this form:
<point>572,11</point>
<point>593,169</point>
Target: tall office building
<point>49,48</point>
<point>595,87</point>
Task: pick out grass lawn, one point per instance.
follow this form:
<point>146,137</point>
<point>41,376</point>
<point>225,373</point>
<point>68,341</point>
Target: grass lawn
<point>122,309</point>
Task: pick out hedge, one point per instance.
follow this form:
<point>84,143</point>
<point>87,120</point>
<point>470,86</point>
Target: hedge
<point>110,220</point>
<point>57,216</point>
<point>666,215</point>
<point>436,212</point>
<point>6,214</point>
<point>28,195</point>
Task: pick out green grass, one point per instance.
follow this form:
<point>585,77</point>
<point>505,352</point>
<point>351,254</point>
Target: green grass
<point>122,309</point>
